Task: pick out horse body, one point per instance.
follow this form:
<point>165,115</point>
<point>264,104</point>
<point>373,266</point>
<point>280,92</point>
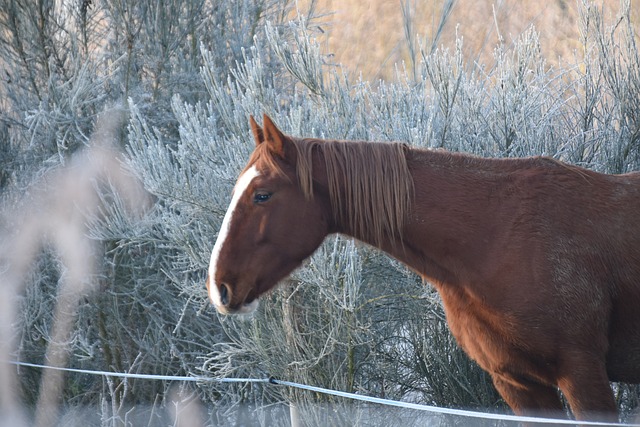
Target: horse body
<point>538,267</point>
<point>537,262</point>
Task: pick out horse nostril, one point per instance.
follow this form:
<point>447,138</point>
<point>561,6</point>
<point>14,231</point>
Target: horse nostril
<point>224,294</point>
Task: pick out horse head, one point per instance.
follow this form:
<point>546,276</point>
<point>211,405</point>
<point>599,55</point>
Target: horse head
<point>271,226</point>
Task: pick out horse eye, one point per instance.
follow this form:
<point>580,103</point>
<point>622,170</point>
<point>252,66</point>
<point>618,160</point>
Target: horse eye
<point>261,197</point>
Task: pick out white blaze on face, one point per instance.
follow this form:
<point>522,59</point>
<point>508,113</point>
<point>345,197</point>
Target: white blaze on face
<point>241,187</point>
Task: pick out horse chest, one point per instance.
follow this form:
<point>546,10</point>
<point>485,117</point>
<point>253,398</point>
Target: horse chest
<point>492,339</point>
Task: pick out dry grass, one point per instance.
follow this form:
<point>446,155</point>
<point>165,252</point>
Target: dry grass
<point>368,36</point>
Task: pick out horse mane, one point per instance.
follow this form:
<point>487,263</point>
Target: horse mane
<point>370,186</point>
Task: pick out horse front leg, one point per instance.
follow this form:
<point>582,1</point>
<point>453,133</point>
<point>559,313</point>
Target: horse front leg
<point>530,398</point>
<point>586,386</point>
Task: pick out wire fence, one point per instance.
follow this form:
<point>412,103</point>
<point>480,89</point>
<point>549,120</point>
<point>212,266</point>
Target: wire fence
<point>337,393</point>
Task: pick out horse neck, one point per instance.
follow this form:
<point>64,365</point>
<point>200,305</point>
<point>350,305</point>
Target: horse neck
<point>369,187</point>
<point>455,216</point>
<point>444,228</point>
<point>451,217</point>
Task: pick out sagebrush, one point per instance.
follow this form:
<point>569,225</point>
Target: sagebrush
<point>187,75</point>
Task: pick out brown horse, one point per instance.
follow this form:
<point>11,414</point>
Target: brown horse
<point>537,262</point>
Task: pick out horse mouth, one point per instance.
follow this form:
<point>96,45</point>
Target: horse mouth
<point>220,296</point>
<point>245,308</point>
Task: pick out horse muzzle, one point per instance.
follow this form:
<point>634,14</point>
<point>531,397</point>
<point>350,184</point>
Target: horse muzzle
<point>220,296</point>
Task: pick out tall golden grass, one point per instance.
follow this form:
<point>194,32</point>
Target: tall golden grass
<point>369,37</point>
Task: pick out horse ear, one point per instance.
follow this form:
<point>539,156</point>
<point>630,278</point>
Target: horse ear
<point>274,137</point>
<point>258,134</point>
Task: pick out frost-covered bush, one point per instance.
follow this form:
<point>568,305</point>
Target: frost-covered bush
<point>63,64</point>
<point>350,319</point>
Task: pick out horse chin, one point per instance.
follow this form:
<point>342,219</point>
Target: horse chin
<point>244,309</point>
